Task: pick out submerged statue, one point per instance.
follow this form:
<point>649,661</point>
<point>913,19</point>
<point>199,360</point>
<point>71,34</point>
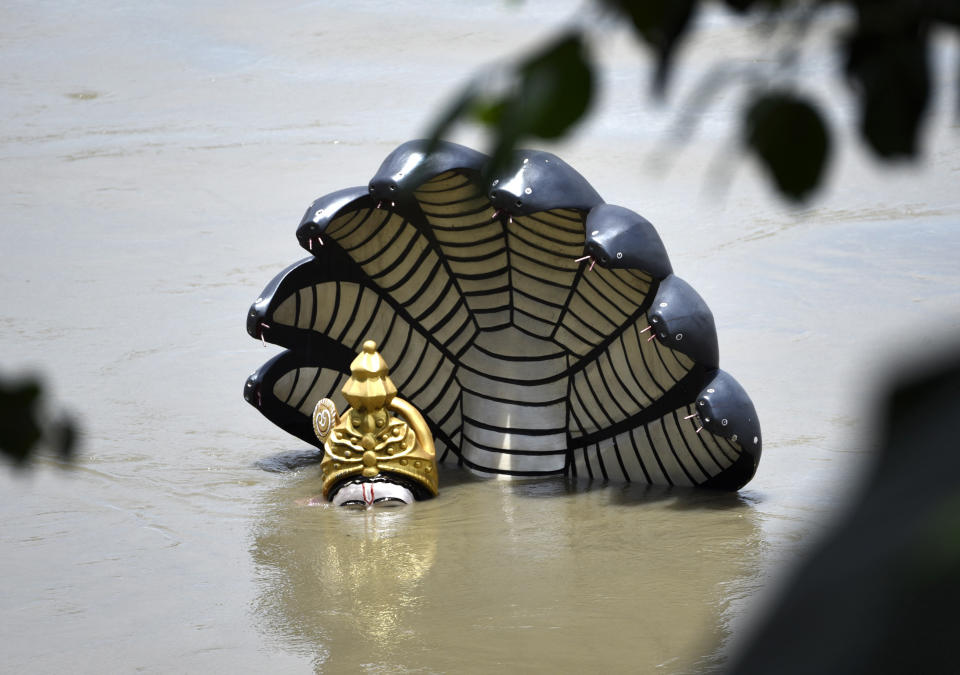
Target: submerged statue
<point>540,330</point>
<point>371,456</point>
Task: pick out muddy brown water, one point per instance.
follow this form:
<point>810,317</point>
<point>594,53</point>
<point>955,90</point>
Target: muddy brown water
<point>155,162</point>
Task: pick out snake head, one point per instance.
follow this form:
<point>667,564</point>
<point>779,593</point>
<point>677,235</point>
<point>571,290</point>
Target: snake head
<point>540,181</point>
<point>619,238</point>
<point>322,211</point>
<point>412,164</point>
<point>682,321</point>
<point>725,410</point>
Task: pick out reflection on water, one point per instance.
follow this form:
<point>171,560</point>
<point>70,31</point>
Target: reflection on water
<point>326,572</point>
<point>537,575</point>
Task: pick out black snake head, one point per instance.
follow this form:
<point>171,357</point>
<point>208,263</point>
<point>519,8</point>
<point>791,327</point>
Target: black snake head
<point>319,214</point>
<point>618,238</point>
<point>411,165</point>
<point>724,409</point>
<point>540,181</point>
<point>681,320</point>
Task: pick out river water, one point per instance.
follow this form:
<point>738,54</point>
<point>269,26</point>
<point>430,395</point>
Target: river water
<point>155,161</point>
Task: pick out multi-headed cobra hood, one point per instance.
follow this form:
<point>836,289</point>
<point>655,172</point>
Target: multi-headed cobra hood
<point>538,329</point>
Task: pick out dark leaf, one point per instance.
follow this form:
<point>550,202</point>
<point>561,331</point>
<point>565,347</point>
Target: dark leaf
<point>19,427</point>
<point>739,5</point>
<point>887,62</point>
<point>23,426</point>
<point>555,89</point>
<point>552,90</point>
<point>743,6</point>
<point>660,23</point>
<point>790,139</point>
<point>464,101</point>
<point>945,11</point>
<point>488,113</point>
<point>63,437</point>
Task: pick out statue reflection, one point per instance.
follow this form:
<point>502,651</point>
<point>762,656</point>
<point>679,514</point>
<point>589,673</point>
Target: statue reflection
<point>341,583</point>
<point>377,573</point>
<point>533,575</point>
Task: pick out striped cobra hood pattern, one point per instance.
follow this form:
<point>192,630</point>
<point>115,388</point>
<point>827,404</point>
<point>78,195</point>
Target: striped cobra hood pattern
<point>538,329</point>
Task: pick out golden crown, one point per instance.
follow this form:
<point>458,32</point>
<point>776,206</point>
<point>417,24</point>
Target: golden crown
<point>368,439</point>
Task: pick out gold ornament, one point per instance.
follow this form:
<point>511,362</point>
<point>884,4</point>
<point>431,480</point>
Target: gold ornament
<point>325,417</point>
<point>367,439</point>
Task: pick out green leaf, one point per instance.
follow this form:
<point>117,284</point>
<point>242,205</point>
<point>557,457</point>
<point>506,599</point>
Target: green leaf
<point>488,112</point>
<point>791,141</point>
<point>554,90</point>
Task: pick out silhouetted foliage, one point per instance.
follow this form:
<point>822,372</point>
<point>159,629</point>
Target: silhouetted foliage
<point>661,24</point>
<point>548,92</point>
<point>24,427</point>
<point>794,159</point>
<point>884,49</point>
<point>887,62</point>
<point>880,593</point>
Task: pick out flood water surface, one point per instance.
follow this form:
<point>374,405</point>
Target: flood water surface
<point>156,162</point>
<point>528,576</point>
